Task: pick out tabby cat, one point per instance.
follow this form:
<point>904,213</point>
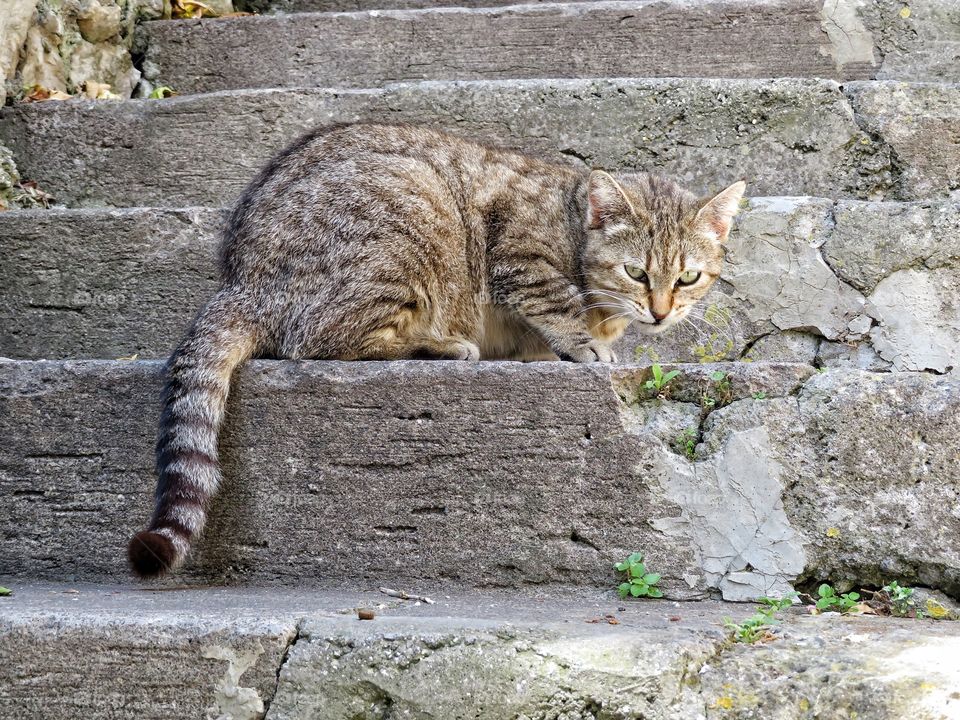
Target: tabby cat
<point>363,242</point>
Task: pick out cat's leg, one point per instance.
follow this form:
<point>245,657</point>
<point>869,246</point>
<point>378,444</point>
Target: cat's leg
<point>422,349</point>
<point>554,307</point>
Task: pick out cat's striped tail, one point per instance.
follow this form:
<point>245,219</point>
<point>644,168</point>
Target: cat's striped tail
<point>193,402</point>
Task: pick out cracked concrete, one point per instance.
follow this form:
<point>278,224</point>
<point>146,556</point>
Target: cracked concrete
<point>544,653</point>
<point>432,472</point>
<point>731,509</point>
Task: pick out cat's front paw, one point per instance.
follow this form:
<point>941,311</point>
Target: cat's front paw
<point>465,350</point>
<point>593,351</point>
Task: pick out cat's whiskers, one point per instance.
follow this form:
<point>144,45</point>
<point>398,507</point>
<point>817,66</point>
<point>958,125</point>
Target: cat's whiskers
<point>720,331</point>
<point>594,306</point>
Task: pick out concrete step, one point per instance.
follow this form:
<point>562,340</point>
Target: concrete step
<point>634,38</point>
<point>872,140</point>
<point>843,283</point>
<point>500,474</point>
<point>249,653</point>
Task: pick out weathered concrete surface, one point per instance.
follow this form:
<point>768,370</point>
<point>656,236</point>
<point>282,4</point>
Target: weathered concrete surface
<point>499,474</point>
<point>478,655</point>
<point>786,137</point>
<point>920,126</point>
<point>637,38</point>
<point>844,283</point>
<point>779,38</point>
<point>918,39</point>
<point>103,284</point>
<point>94,652</point>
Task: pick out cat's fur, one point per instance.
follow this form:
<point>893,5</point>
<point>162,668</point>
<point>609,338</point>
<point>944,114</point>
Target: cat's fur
<point>390,242</point>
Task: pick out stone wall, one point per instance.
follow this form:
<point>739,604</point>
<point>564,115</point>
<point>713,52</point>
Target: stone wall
<point>71,46</point>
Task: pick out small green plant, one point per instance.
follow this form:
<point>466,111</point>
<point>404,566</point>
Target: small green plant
<point>719,393</point>
<point>828,600</point>
<point>761,395</point>
<point>778,604</point>
<point>759,626</point>
<point>639,582</point>
<point>4,592</point>
<point>901,598</point>
<point>686,443</point>
<point>660,379</point>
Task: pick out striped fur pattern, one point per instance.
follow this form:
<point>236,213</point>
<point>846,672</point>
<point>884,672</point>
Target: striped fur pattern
<point>390,242</point>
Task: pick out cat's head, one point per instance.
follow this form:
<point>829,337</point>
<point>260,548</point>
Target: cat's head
<point>653,249</point>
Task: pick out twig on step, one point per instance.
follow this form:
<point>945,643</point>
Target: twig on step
<point>406,596</point>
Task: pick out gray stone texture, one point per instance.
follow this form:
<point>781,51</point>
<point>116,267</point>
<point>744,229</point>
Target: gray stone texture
<point>277,653</point>
<point>848,283</point>
<point>499,474</point>
<point>722,38</point>
<point>625,39</point>
<point>786,137</point>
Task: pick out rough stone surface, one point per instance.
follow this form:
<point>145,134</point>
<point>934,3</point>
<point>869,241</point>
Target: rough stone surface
<point>478,655</point>
<point>786,137</point>
<point>15,22</point>
<point>126,660</point>
<point>920,127</point>
<point>103,284</point>
<point>500,474</point>
<point>920,36</point>
<point>625,39</point>
<point>738,38</point>
<point>9,177</point>
<point>65,45</point>
<point>857,284</point>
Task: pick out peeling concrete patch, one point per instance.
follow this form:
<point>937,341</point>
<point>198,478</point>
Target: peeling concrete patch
<point>919,320</point>
<point>774,263</point>
<point>734,515</point>
<point>850,40</point>
<point>233,702</point>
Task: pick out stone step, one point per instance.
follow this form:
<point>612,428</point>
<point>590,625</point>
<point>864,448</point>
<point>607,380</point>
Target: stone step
<point>500,474</point>
<point>845,283</point>
<point>871,140</point>
<point>250,653</point>
<point>631,38</point>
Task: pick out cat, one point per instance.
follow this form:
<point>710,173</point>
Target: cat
<point>377,242</point>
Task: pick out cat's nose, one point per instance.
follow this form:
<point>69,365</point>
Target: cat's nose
<point>658,317</point>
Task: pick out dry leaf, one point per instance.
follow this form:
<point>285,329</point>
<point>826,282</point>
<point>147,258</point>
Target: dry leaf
<point>99,91</point>
<point>184,9</point>
<point>38,93</point>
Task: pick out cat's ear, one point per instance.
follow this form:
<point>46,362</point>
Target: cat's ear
<point>716,214</point>
<point>606,200</point>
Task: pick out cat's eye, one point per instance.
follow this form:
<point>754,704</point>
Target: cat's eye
<point>688,277</point>
<point>636,272</point>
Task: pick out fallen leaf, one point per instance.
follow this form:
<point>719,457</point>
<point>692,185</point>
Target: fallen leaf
<point>99,91</point>
<point>905,12</point>
<point>5,592</point>
<point>186,9</point>
<point>936,610</point>
<point>38,93</point>
<point>129,358</point>
<point>161,93</point>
